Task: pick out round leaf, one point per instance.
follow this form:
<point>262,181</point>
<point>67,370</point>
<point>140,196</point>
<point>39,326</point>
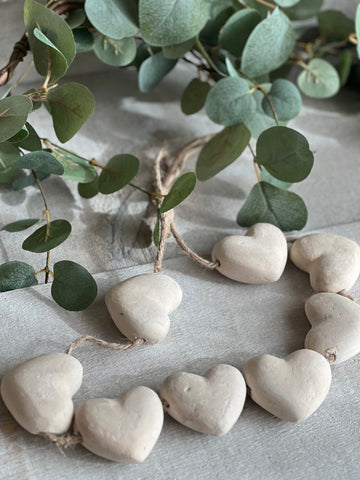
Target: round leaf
<point>20,225</point>
<point>266,177</point>
<point>75,168</point>
<point>194,96</point>
<point>153,70</point>
<point>259,121</point>
<point>8,155</point>
<point>32,142</point>
<point>89,190</point>
<point>40,160</point>
<point>344,66</point>
<point>20,136</point>
<point>304,9</point>
<point>119,171</point>
<point>46,238</point>
<point>357,28</point>
<point>178,51</point>
<point>334,25</point>
<point>28,180</point>
<point>114,18</point>
<point>221,151</point>
<point>237,29</point>
<point>84,40</point>
<point>181,189</point>
<point>73,287</point>
<point>286,3</point>
<point>285,98</point>
<point>269,45</point>
<point>229,102</point>
<point>269,204</point>
<point>115,52</point>
<point>170,22</point>
<point>70,106</point>
<point>319,80</point>
<point>75,18</point>
<point>285,154</point>
<point>15,275</point>
<point>13,115</point>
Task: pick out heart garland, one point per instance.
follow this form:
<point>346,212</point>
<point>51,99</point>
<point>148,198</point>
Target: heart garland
<point>38,392</point>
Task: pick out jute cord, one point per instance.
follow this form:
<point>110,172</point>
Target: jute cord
<point>102,343</point>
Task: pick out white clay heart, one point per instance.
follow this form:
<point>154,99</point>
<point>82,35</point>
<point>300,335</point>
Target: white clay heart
<point>291,388</point>
<point>38,393</point>
<point>124,429</point>
<point>332,261</point>
<point>257,257</point>
<point>209,404</point>
<point>335,331</point>
<point>140,306</point>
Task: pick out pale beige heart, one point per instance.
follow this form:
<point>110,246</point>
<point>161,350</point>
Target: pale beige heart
<point>291,388</point>
<point>140,306</point>
<point>257,257</point>
<point>124,429</point>
<point>335,331</point>
<point>38,393</point>
<point>209,404</point>
<point>332,261</point>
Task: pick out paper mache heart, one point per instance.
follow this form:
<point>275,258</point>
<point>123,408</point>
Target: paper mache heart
<point>140,306</point>
<point>291,388</point>
<point>332,261</point>
<point>124,429</point>
<point>257,257</point>
<point>38,393</point>
<point>335,331</point>
<point>209,404</point>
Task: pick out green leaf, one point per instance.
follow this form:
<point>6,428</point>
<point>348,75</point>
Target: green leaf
<point>114,18</point>
<point>55,47</point>
<point>319,80</point>
<point>221,151</point>
<point>70,107</point>
<point>84,40</point>
<point>75,18</point>
<point>15,275</point>
<point>230,68</point>
<point>194,96</point>
<point>304,9</point>
<point>119,171</point>
<point>75,167</point>
<point>229,102</point>
<point>28,180</point>
<point>237,29</point>
<point>344,66</point>
<point>115,52</point>
<point>47,237</point>
<point>8,155</point>
<point>269,45</point>
<point>269,204</point>
<point>357,29</point>
<point>20,225</point>
<point>334,25</point>
<point>209,34</point>
<point>73,287</point>
<point>13,115</point>
<point>153,70</point>
<point>218,6</point>
<point>259,121</point>
<point>170,22</point>
<point>285,154</point>
<point>32,142</point>
<point>21,135</point>
<point>178,51</point>
<point>40,160</point>
<point>286,3</point>
<point>285,98</point>
<point>89,190</point>
<point>156,233</point>
<point>181,189</point>
<point>266,177</point>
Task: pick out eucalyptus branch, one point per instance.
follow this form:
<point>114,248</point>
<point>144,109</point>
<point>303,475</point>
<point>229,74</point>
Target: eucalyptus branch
<point>256,166</point>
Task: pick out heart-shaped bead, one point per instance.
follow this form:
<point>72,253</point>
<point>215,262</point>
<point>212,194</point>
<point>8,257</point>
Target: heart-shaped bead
<point>332,261</point>
<point>291,388</point>
<point>123,429</point>
<point>335,331</point>
<point>38,393</point>
<point>140,306</point>
<point>257,257</point>
<point>209,404</point>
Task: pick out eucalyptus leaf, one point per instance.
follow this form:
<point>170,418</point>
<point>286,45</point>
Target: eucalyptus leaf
<point>119,171</point>
<point>156,233</point>
<point>40,160</point>
<point>75,167</point>
<point>334,25</point>
<point>20,225</point>
<point>221,151</point>
<point>286,100</point>
<point>47,237</point>
<point>115,52</point>
<point>153,70</point>
<point>89,190</point>
<point>70,106</point>
<point>344,66</point>
<point>269,45</point>
<point>285,154</point>
<point>20,136</point>
<point>319,80</point>
<point>84,40</point>
<point>209,34</point>
<point>170,22</point>
<point>218,6</point>
<point>28,180</point>
<point>13,115</point>
<point>286,3</point>
<point>32,142</point>
<point>194,96</point>
<point>142,53</point>
<point>75,18</point>
<point>259,121</point>
<point>229,102</point>
<point>304,9</point>
<point>230,68</point>
<point>8,155</point>
<point>266,177</point>
<point>178,51</point>
<point>237,30</point>
<point>269,204</point>
<point>116,19</point>
<point>15,275</point>
<point>73,288</point>
<point>357,29</point>
<point>181,189</point>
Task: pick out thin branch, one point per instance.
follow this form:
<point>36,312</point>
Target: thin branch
<point>204,53</point>
<point>254,163</point>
